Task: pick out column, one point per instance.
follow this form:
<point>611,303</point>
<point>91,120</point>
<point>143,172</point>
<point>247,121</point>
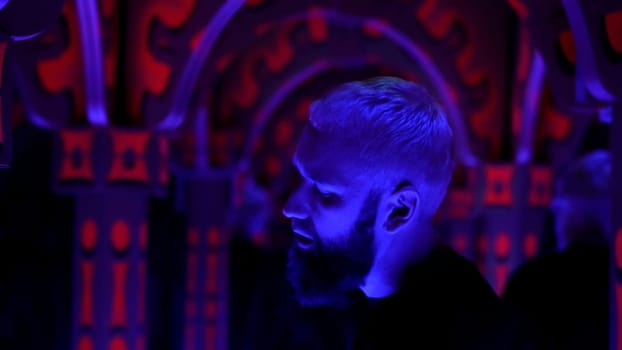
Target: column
<point>112,173</point>
<point>514,201</point>
<point>208,197</point>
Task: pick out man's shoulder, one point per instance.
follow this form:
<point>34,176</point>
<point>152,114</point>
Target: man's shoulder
<point>446,296</point>
<point>451,278</point>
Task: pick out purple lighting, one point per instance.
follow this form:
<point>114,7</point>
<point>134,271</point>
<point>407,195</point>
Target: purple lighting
<point>586,61</point>
<point>202,144</point>
<point>93,62</point>
<point>418,55</point>
<point>281,94</point>
<point>226,12</point>
<point>531,102</point>
<point>192,70</point>
<point>464,152</point>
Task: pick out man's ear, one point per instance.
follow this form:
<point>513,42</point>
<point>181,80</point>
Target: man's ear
<point>399,208</point>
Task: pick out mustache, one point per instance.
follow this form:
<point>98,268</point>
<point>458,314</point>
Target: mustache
<point>303,226</point>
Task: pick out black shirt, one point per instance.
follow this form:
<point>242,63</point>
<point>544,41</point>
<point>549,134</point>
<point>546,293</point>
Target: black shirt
<point>562,299</point>
<point>443,303</point>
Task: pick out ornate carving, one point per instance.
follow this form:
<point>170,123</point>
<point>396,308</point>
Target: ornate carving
<point>149,43</point>
<point>498,185</point>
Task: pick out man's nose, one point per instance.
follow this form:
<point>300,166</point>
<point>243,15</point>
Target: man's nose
<point>296,206</point>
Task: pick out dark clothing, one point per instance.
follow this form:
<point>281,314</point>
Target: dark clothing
<point>443,303</point>
<point>562,300</point>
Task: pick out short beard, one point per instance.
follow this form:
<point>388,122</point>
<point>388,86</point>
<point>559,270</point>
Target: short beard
<point>329,275</point>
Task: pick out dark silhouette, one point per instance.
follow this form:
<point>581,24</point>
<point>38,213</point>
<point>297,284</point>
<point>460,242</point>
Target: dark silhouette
<point>561,299</point>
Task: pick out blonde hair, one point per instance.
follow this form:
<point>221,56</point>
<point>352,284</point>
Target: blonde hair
<point>397,126</point>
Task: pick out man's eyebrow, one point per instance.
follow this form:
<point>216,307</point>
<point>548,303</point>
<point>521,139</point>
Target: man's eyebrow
<point>324,185</point>
<point>301,170</point>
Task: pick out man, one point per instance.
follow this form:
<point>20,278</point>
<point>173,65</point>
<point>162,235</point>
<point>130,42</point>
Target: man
<point>376,158</point>
<point>563,297</point>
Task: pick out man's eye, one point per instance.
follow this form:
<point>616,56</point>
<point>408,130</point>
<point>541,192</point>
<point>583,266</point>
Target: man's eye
<point>325,195</point>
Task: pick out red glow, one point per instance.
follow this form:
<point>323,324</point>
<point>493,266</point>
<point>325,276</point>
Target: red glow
<point>254,2</point>
<point>223,62</point>
<point>85,343</point>
<point>501,275</point>
<point>211,280</point>
<point>459,203</point>
<point>484,124</point>
<point>556,124</point>
<point>136,142</point>
<point>263,28</point>
<point>525,54</point>
<point>120,236</point>
<point>273,165</point>
<point>460,242</point>
<point>142,292</point>
<point>86,306</point>
<point>146,73</point>
<point>108,7</point>
<point>435,19</point>
<point>196,38</point>
<point>284,132</point>
<point>210,310</point>
<point>66,71</point>
<point>498,185</point>
<point>213,237</point>
<point>503,245</point>
<point>276,56</point>
<point>520,8</point>
<point>210,337</point>
<point>302,109</point>
<point>118,343</point>
<point>540,188</point>
<point>438,21</point>
<point>140,342</point>
<point>76,141</point>
<point>193,274</point>
<point>531,245</point>
<point>318,27</point>
<point>119,279</point>
<point>470,75</point>
<point>281,53</point>
<point>371,30</point>
<point>88,237</point>
<point>482,243</point>
<point>143,236</point>
<point>613,25</point>
<point>110,12</point>
<point>567,43</point>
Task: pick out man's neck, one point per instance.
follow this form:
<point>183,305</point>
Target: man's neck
<point>385,275</point>
<point>380,283</point>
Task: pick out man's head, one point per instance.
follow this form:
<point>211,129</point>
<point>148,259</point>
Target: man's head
<point>376,158</point>
<point>581,203</point>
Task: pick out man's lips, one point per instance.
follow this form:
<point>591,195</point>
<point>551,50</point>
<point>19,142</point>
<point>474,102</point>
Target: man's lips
<point>302,239</point>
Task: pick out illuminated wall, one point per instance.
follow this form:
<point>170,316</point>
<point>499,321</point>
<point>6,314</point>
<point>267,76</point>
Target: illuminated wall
<point>183,100</point>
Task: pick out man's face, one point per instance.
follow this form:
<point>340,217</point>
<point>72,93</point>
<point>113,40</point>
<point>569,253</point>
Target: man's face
<point>579,218</point>
<point>332,215</point>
